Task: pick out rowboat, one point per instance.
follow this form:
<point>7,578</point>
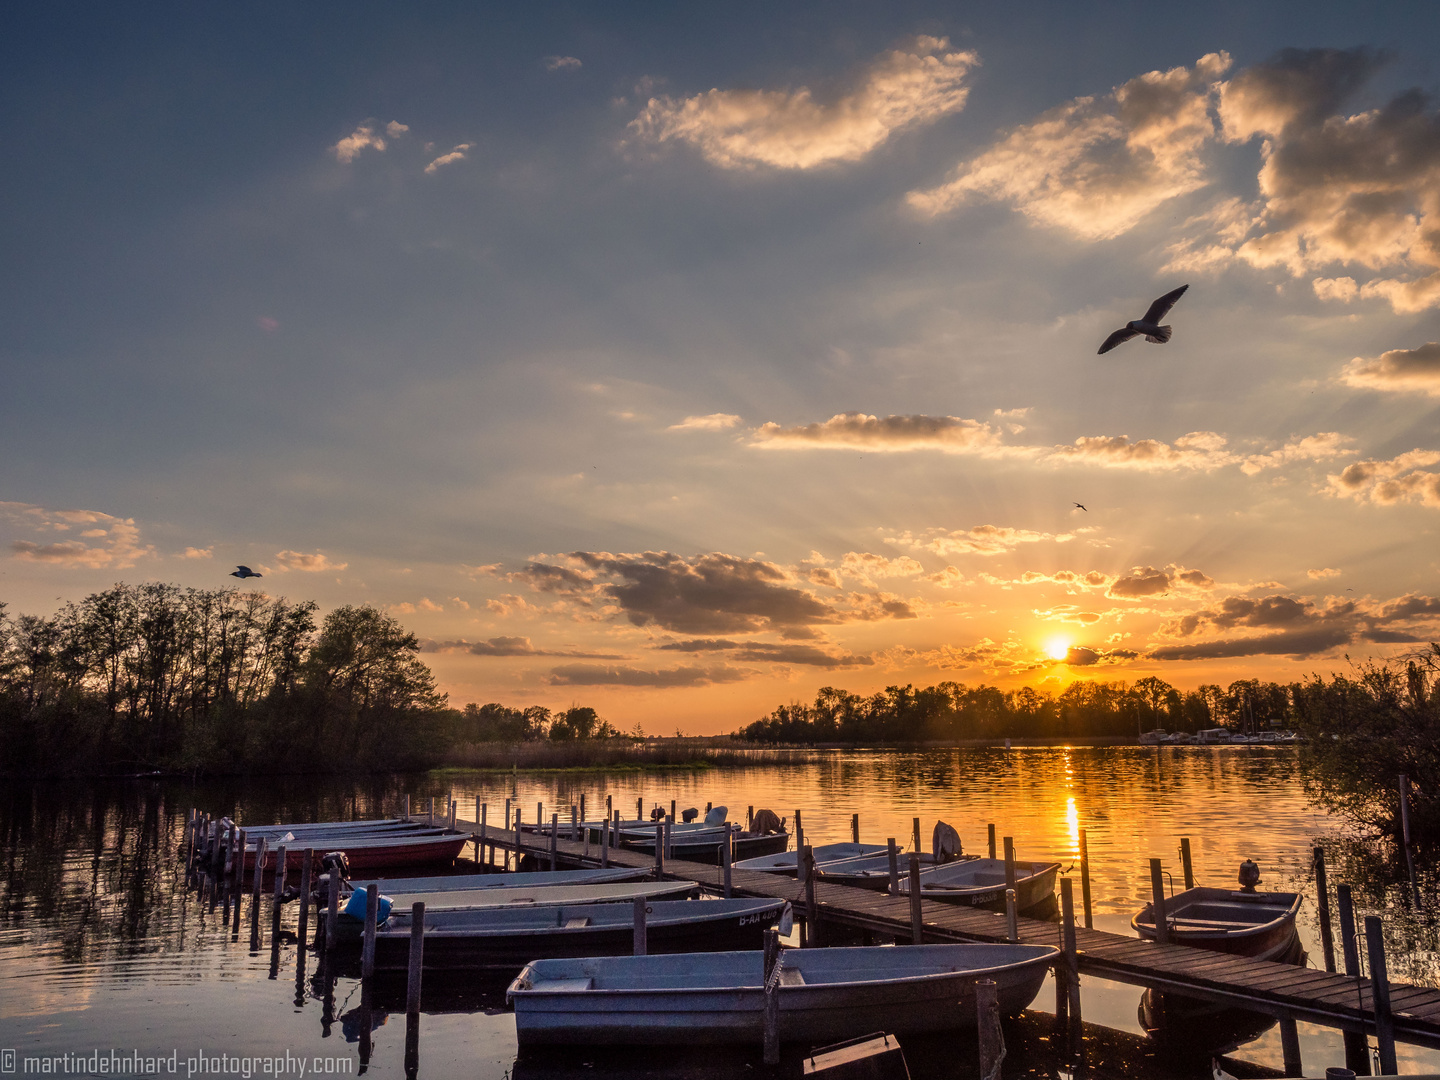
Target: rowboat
<point>449,883</point>
<point>506,939</point>
<point>703,844</point>
<point>981,883</point>
<point>541,895</point>
<point>784,862</point>
<point>869,872</point>
<point>824,994</point>
<point>1254,924</point>
<point>368,850</point>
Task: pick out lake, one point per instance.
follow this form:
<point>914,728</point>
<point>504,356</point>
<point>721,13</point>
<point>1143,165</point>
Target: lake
<point>103,948</point>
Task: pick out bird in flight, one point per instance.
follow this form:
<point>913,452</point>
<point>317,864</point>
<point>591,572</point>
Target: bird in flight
<point>242,572</point>
<point>1083,507</point>
<point>1149,325</point>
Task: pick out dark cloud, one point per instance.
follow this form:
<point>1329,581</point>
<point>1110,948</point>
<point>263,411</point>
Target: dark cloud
<point>508,646</point>
<point>1410,606</point>
<point>806,655</point>
<point>1296,644</point>
<point>606,675</point>
<point>545,577</point>
<point>1297,87</point>
<point>1080,656</point>
<point>1389,637</point>
<point>1148,581</point>
<point>1398,369</point>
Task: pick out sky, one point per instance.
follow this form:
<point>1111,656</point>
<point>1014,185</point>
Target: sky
<point>680,360</point>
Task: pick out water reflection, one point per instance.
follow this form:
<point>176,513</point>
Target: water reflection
<point>93,900</point>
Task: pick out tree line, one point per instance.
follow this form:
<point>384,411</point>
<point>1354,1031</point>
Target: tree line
<point>149,677</point>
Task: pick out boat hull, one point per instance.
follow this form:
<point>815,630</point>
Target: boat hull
<point>369,852</point>
<point>553,1003</point>
<point>1034,884</point>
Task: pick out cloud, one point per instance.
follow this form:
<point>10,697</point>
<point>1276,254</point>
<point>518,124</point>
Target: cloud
<point>981,540</point>
<point>1398,369</point>
<point>114,542</point>
<point>1147,581</point>
<point>365,137</point>
<point>949,578</point>
<point>1296,644</point>
<point>457,154</point>
<point>196,553</point>
<point>1082,656</point>
<point>310,564</point>
<point>860,431</point>
<point>789,129</point>
<point>561,63</point>
<point>1321,575</point>
<point>1072,580</point>
<point>825,578</point>
<point>1097,165</point>
<point>1317,447</point>
<point>803,655</point>
<point>1401,479</point>
<point>868,567</point>
<point>606,675</point>
<point>712,422</point>
<point>508,647</point>
<point>1201,450</point>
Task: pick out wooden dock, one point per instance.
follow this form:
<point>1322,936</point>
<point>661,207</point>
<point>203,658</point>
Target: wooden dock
<point>1285,991</point>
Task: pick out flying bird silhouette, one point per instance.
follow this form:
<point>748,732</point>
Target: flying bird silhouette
<point>1082,507</point>
<point>1149,325</point>
<point>242,572</point>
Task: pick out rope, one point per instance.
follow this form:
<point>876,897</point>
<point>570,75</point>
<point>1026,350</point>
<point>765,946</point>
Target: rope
<point>772,983</point>
<point>994,1074</point>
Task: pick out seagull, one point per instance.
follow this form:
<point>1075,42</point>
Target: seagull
<point>1083,507</point>
<point>1149,325</point>
<point>242,572</point>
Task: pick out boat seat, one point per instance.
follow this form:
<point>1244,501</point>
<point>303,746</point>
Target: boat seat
<point>1210,924</point>
<point>564,986</point>
<point>791,977</point>
<point>577,922</point>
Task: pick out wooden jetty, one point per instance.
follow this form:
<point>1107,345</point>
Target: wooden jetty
<point>1284,991</point>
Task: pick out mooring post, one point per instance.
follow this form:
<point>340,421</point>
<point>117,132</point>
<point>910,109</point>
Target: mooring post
<point>727,853</point>
<point>640,809</point>
<point>855,828</point>
<point>554,837</point>
<point>1010,862</point>
<point>749,818</point>
<point>1185,865</point>
<point>453,815</point>
<point>915,834</point>
<point>1405,836</point>
<point>430,812</point>
<point>1290,1047</point>
<point>894,852</point>
<point>640,943</point>
<point>405,807</point>
<point>582,810</point>
<point>670,837</point>
<point>372,916</point>
<point>238,881</point>
<point>917,925</point>
<point>991,829</point>
<point>771,975</point>
<point>417,959</point>
<point>1380,991</point>
<point>812,912</point>
<point>574,823</point>
<point>305,871</point>
<point>605,844</point>
<point>1357,1049</point>
<point>1012,917</point>
<point>1322,896</point>
<point>1072,953</point>
<point>799,847</point>
<point>539,817</point>
<point>659,850</point>
<point>1157,902</point>
<point>608,806</point>
<point>480,811</point>
<point>992,1040</point>
<point>1085,879</point>
<point>518,815</point>
<point>255,894</point>
<point>332,909</point>
<point>281,866</point>
<point>673,813</point>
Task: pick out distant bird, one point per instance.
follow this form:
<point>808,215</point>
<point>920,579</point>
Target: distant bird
<point>1083,507</point>
<point>1149,325</point>
<point>242,572</point>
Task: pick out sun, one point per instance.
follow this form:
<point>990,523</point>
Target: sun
<point>1058,648</point>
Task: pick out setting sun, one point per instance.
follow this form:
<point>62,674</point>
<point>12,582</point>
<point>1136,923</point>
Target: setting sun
<point>1058,648</point>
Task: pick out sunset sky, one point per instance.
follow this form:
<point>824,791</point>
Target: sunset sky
<point>683,359</point>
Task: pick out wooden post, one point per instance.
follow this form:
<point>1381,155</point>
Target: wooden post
<point>1085,879</point>
<point>987,1015</point>
<point>238,881</point>
<point>1012,917</point>
<point>417,958</point>
<point>799,847</point>
<point>582,809</point>
<point>659,850</point>
<point>640,809</point>
<point>281,866</point>
<point>405,807</point>
<point>255,894</point>
<point>1322,895</point>
<point>991,829</point>
<point>332,909</point>
<point>1010,862</point>
<point>481,810</point>
<point>1405,836</point>
<point>1380,991</point>
<point>640,942</point>
<point>894,853</point>
<point>672,814</point>
<point>605,844</point>
<point>608,807</point>
<point>454,815</point>
<point>430,812</point>
<point>539,817</point>
<point>518,814</point>
<point>855,828</point>
<point>812,913</point>
<point>1185,863</point>
<point>669,837</point>
<point>1357,1049</point>
<point>554,837</point>
<point>1157,902</point>
<point>372,915</point>
<point>305,871</point>
<point>574,822</point>
<point>917,924</point>
<point>1290,1047</point>
<point>727,855</point>
<point>915,834</point>
<point>1072,954</point>
<point>771,976</point>
<point>749,818</point>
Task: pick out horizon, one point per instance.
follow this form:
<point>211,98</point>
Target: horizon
<point>683,364</point>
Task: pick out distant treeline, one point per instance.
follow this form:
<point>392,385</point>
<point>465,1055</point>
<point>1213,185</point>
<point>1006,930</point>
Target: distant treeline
<point>145,677</point>
<point>952,710</point>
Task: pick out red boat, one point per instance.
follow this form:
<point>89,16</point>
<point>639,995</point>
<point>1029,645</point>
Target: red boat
<point>367,850</point>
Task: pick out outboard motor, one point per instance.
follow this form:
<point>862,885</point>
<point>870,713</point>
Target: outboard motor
<point>690,815</point>
<point>658,814</point>
<point>1249,876</point>
<point>336,862</point>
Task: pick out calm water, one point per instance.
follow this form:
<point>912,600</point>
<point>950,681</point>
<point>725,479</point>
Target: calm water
<point>102,946</point>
